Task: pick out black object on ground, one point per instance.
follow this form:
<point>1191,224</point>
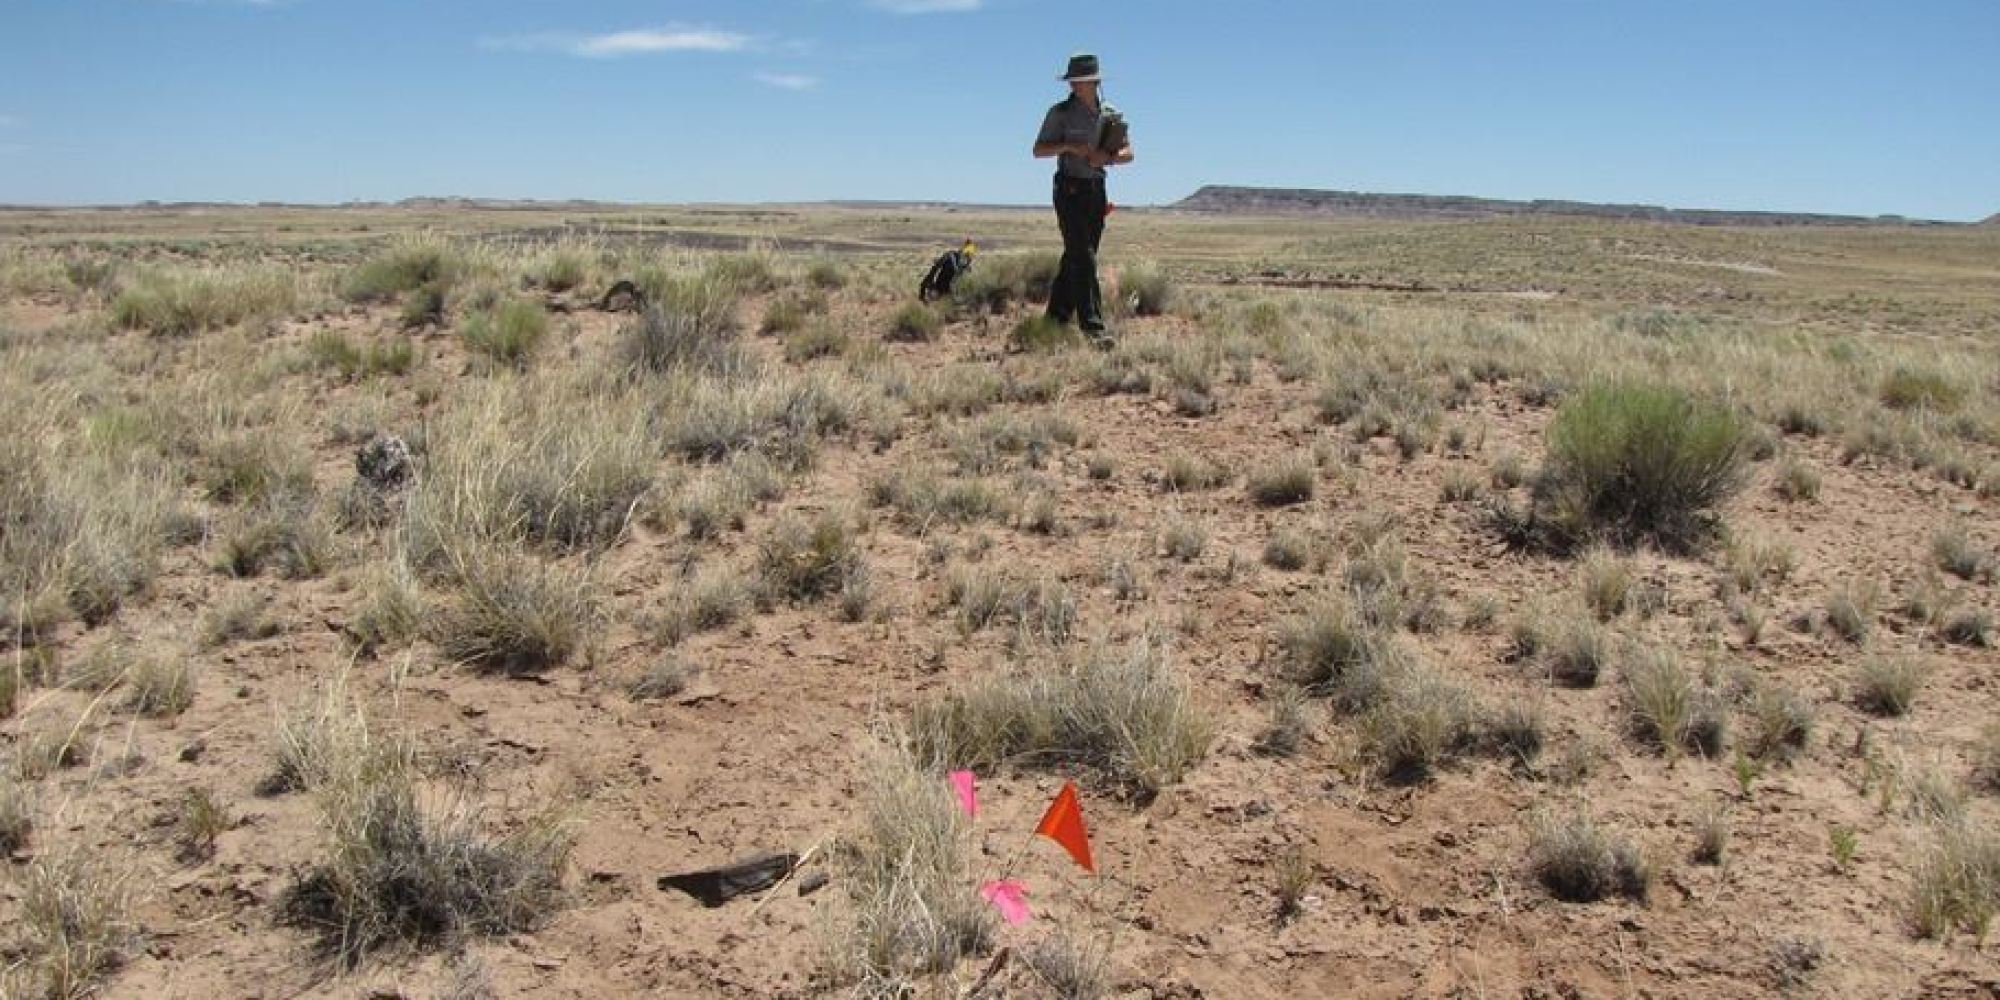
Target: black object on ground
<point>716,886</point>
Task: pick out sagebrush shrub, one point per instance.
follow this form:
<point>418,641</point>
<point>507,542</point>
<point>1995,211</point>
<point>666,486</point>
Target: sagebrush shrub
<point>1631,463</point>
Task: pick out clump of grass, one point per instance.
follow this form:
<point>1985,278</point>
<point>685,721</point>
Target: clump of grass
<point>180,304</point>
<point>394,873</point>
<point>1289,549</point>
<point>1955,553</point>
<point>826,275</point>
<point>1797,480</point>
<point>1887,684</point>
<point>1518,732</point>
<point>1850,610</point>
<point>1712,827</point>
<point>711,600</point>
<point>160,687</point>
<point>253,466</point>
<point>1781,722</point>
<point>1072,969</point>
<point>200,820</point>
<point>1750,564</point>
<point>664,678</point>
<point>696,331</point>
<point>514,614</point>
<point>1909,389</point>
<point>424,306</point>
<point>561,466</point>
<point>1969,627</point>
<point>1147,290</point>
<point>283,533</point>
<point>1420,721</point>
<point>1632,463</point>
<point>507,334</point>
<point>78,535</point>
<point>805,560</point>
<point>1286,729</point>
<point>1958,881</point>
<point>820,340</point>
<point>1285,481</point>
<point>1668,707</point>
<point>392,610</point>
<point>1462,486</point>
<point>1329,649</point>
<point>1126,712</point>
<point>1002,280</point>
<point>1042,335</point>
<point>330,350</point>
<point>1580,863</point>
<point>1607,581</point>
<point>1185,473</point>
<point>238,615</point>
<point>1986,758</point>
<point>1573,648</point>
<point>909,875</point>
<point>915,323</point>
<point>1295,877</point>
<point>409,263</point>
<point>1183,538</point>
<point>75,922</point>
<point>17,816</point>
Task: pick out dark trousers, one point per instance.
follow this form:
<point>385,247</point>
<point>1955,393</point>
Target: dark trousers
<point>1080,213</point>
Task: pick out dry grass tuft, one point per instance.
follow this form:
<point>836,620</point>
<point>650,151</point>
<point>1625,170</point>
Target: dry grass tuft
<point>1958,881</point>
<point>75,923</point>
<point>515,614</point>
<point>1126,712</point>
<point>1581,863</point>
<point>1887,684</point>
<point>908,870</point>
<point>1669,708</point>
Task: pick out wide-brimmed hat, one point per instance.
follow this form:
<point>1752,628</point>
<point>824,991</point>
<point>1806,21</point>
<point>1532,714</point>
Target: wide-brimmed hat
<point>1082,69</point>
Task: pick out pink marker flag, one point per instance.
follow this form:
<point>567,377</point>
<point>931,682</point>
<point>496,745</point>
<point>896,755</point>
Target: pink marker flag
<point>963,783</point>
<point>1009,897</point>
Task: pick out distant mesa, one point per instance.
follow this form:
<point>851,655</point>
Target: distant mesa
<point>1220,199</point>
<point>1992,220</point>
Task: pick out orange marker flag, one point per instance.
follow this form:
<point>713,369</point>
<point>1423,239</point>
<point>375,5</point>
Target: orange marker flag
<point>1063,823</point>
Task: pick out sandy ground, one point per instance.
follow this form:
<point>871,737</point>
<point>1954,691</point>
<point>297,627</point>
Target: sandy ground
<point>1417,891</point>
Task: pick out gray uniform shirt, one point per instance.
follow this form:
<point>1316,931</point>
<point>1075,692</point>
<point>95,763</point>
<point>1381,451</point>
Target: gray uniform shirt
<point>1072,121</point>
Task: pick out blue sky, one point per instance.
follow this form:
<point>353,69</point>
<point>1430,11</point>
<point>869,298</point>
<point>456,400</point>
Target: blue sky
<point>1828,105</point>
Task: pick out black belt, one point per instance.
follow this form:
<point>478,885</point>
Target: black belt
<point>1086,183</point>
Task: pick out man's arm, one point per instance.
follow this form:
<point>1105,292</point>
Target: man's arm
<point>1044,150</point>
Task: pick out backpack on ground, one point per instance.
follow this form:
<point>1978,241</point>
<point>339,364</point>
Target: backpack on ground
<point>945,272</point>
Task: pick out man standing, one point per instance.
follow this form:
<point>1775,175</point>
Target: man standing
<point>1086,135</point>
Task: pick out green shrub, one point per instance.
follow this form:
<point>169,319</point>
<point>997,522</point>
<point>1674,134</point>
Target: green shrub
<point>406,265</point>
<point>1907,389</point>
<point>1631,463</point>
<point>999,281</point>
<point>915,322</point>
<point>807,560</point>
<point>1286,481</point>
<point>1041,335</point>
<point>507,334</point>
<point>186,303</point>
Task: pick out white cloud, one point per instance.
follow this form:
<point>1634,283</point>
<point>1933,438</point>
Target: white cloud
<point>787,81</point>
<point>927,6</point>
<point>638,41</point>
